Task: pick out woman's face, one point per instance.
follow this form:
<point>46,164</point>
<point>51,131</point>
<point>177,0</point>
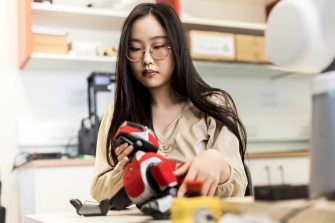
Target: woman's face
<point>149,35</point>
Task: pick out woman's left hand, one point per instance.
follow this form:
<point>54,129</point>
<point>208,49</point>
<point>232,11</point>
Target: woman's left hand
<point>210,167</point>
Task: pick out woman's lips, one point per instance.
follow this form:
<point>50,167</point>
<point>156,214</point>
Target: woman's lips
<point>149,73</point>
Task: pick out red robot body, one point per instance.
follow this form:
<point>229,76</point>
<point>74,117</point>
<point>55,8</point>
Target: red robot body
<point>148,175</point>
<point>148,179</point>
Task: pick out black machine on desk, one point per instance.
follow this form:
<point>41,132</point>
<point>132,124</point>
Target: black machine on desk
<point>88,133</point>
<point>283,191</point>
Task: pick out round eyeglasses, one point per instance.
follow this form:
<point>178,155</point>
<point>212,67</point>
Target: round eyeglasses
<point>158,51</point>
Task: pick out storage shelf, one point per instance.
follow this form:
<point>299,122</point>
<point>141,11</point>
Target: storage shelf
<point>77,10</point>
<point>243,69</point>
<point>188,20</point>
<point>108,18</point>
<point>78,17</point>
<point>70,62</point>
<point>69,57</point>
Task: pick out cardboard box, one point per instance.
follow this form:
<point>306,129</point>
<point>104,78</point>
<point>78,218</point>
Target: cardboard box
<point>50,48</point>
<point>39,38</point>
<point>250,48</point>
<point>212,45</point>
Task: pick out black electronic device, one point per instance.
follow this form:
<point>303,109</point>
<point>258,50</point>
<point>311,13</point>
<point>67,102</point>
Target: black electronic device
<point>91,209</point>
<point>88,133</point>
<point>281,191</point>
<point>2,210</point>
<point>87,138</point>
<point>137,142</point>
<point>2,214</point>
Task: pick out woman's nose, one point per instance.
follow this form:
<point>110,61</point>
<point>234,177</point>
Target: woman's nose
<point>147,58</point>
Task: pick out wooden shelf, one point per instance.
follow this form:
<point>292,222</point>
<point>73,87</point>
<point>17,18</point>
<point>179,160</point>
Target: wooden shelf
<point>59,163</point>
<point>69,17</point>
<point>284,154</point>
<point>77,10</point>
<point>108,18</point>
<point>235,25</point>
<point>79,17</point>
<point>48,15</point>
<point>69,62</point>
<point>76,17</point>
<point>242,69</point>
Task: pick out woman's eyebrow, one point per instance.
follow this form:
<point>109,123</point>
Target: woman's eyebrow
<point>158,37</point>
<point>135,40</point>
<point>151,38</point>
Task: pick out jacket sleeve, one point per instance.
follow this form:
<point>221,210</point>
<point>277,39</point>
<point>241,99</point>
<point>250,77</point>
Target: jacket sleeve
<point>223,140</point>
<point>107,179</point>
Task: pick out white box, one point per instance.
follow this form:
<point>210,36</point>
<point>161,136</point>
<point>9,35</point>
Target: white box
<point>212,45</point>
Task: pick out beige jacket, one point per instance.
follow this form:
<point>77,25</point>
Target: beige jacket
<point>191,133</point>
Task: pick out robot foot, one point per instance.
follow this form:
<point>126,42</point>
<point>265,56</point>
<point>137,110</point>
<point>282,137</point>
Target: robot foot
<point>158,208</point>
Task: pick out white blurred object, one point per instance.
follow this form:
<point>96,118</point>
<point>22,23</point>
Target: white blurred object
<point>86,48</point>
<point>300,34</point>
<point>35,133</point>
<point>75,3</point>
<point>123,5</point>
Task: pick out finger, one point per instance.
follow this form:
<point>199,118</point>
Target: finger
<point>123,162</point>
<point>182,170</point>
<point>128,150</point>
<point>181,190</point>
<point>120,157</point>
<point>120,148</point>
<point>206,187</point>
<point>212,189</point>
<point>125,152</point>
<point>190,176</point>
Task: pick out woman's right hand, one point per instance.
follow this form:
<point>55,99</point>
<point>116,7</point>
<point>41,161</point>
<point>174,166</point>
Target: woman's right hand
<point>122,152</point>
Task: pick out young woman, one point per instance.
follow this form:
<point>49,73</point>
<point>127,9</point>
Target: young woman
<point>158,86</point>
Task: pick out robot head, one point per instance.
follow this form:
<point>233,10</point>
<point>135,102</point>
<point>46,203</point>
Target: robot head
<point>300,35</point>
<point>141,137</point>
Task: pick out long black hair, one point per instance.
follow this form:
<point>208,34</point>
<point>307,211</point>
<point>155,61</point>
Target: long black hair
<point>132,99</point>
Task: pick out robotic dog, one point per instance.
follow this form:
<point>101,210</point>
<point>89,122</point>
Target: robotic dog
<point>148,179</point>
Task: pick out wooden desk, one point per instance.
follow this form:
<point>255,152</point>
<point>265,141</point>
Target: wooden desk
<point>58,163</point>
<point>290,211</point>
<point>132,215</point>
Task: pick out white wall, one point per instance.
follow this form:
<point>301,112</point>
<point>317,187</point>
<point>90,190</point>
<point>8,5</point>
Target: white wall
<point>12,104</point>
<point>47,97</point>
<point>276,110</point>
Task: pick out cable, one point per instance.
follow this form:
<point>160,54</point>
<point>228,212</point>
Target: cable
<point>67,146</point>
<point>21,159</point>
